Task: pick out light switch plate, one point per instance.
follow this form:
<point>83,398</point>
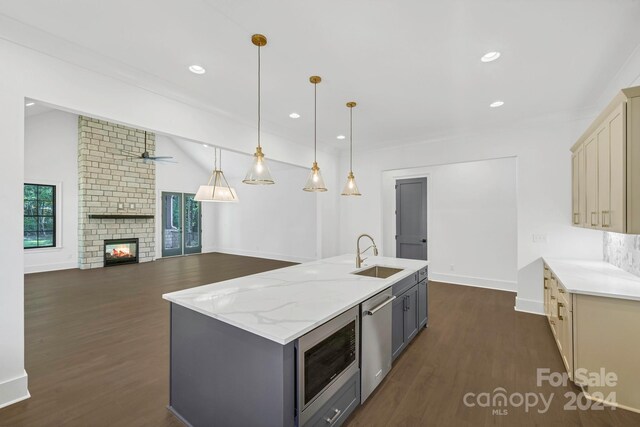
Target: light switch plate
<point>539,238</point>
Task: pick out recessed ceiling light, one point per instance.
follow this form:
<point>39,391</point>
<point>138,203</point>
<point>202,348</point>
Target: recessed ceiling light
<point>340,137</point>
<point>496,104</point>
<point>197,69</point>
<point>29,104</point>
<point>490,56</point>
<point>294,115</point>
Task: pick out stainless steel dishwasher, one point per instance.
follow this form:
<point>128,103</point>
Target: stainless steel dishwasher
<point>376,341</point>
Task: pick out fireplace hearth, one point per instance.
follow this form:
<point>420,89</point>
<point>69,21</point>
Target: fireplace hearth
<point>120,251</point>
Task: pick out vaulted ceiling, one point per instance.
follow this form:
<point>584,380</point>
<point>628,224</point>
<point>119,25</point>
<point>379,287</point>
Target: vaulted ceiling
<point>413,66</point>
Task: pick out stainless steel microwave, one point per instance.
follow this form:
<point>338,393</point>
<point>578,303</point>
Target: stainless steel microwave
<point>328,357</point>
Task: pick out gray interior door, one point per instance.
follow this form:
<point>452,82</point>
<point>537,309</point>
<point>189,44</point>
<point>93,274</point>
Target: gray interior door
<point>411,218</point>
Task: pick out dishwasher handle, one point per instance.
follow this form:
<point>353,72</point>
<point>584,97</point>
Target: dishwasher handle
<point>379,307</point>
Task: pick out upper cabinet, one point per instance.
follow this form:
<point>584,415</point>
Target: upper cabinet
<point>606,168</point>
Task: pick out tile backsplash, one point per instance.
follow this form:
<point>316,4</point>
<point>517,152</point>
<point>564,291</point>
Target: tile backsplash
<point>623,251</point>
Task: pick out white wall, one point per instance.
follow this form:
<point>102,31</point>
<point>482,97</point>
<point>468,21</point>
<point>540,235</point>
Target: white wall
<point>274,221</point>
<point>26,73</point>
<point>472,221</point>
<point>51,157</point>
<point>185,176</point>
<point>54,135</point>
<point>543,191</point>
<point>286,228</point>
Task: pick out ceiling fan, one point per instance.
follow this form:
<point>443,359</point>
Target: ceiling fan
<point>146,157</point>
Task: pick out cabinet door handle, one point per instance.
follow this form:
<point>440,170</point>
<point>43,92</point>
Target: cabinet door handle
<point>334,418</point>
<point>552,322</point>
<point>606,224</point>
<point>560,305</point>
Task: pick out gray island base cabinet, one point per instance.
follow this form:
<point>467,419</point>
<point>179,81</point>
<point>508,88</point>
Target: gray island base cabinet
<point>207,386</point>
<point>410,310</point>
<point>228,367</point>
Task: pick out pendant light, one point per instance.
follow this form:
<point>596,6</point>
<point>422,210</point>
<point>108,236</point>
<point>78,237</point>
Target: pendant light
<point>259,173</point>
<point>315,182</point>
<point>350,188</point>
<point>220,191</point>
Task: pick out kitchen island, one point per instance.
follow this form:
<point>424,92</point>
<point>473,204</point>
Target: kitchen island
<point>234,344</point>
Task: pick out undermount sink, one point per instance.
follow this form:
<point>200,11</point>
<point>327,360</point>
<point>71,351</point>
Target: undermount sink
<point>378,272</point>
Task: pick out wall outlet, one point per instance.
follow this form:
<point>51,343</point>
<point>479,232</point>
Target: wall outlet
<point>539,238</point>
<point>120,206</point>
<point>132,206</point>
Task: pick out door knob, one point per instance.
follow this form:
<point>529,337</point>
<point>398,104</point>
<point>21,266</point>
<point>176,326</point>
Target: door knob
<point>424,240</point>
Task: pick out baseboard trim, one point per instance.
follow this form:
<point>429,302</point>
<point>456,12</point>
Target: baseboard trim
<point>529,306</point>
<point>49,267</point>
<point>268,255</point>
<point>14,390</point>
<point>478,282</point>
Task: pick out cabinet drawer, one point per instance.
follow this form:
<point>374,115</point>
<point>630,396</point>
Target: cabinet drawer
<point>339,406</point>
<point>422,274</point>
<point>404,284</point>
<point>564,297</point>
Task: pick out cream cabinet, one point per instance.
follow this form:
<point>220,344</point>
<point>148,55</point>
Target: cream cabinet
<point>559,312</point>
<point>579,193</point>
<point>606,168</point>
<point>596,335</point>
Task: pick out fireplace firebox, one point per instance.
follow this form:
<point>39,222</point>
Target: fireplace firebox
<point>121,251</point>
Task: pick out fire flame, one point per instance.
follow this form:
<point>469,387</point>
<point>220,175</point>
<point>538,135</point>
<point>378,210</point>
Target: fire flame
<point>121,251</point>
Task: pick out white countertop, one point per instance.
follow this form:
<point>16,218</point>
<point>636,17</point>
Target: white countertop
<point>282,305</point>
<point>597,278</point>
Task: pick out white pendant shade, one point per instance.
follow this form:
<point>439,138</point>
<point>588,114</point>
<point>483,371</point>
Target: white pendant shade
<point>218,188</point>
<point>220,191</point>
<point>315,182</point>
<point>351,188</point>
<point>259,173</point>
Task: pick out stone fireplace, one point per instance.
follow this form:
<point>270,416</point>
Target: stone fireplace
<point>116,193</point>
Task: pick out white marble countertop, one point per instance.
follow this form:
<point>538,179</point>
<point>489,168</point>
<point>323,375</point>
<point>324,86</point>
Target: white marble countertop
<point>284,304</point>
<point>597,278</point>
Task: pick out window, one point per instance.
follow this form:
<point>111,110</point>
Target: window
<point>39,216</point>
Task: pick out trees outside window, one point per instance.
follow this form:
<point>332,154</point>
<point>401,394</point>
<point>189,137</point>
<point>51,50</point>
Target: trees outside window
<point>39,216</point>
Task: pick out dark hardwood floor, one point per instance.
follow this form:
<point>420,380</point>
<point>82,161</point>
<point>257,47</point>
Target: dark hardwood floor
<point>97,352</point>
<point>475,343</point>
<point>97,341</point>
